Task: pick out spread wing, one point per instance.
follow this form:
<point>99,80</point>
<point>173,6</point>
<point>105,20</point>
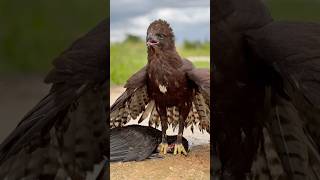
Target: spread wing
<point>292,50</point>
<point>135,101</point>
<point>64,134</point>
<point>234,97</point>
<point>132,102</point>
<point>290,53</point>
<point>201,101</point>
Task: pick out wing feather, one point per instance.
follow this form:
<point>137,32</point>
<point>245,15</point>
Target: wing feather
<point>132,102</point>
<point>291,51</point>
<point>67,127</point>
<point>200,113</point>
<point>122,140</point>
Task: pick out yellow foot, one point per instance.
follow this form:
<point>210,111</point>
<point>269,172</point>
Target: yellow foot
<point>163,148</point>
<point>178,149</point>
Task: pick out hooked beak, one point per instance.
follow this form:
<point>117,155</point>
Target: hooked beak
<point>152,41</point>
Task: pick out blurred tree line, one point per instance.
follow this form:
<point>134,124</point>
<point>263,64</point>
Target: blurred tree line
<point>130,38</point>
<point>34,32</point>
<point>187,44</point>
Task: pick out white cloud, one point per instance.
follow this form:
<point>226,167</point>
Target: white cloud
<point>188,22</point>
<point>184,15</point>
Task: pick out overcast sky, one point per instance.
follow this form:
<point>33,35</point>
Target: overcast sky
<point>190,19</point>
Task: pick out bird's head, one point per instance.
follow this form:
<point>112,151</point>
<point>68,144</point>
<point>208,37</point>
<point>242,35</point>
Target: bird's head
<point>160,36</point>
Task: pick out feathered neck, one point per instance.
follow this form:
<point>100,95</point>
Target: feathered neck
<point>169,56</point>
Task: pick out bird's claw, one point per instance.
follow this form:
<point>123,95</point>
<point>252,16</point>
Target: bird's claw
<point>178,149</point>
<point>163,148</point>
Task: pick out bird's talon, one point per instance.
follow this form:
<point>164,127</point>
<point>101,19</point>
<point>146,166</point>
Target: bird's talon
<point>178,149</point>
<point>163,148</point>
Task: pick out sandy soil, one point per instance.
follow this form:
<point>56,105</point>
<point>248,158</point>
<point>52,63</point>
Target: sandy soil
<point>194,166</point>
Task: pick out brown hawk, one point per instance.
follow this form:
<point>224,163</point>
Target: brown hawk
<point>169,89</point>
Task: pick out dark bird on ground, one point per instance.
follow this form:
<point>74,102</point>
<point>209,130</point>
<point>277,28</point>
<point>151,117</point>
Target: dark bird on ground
<point>136,143</point>
<point>169,88</point>
<point>266,86</point>
<point>65,135</point>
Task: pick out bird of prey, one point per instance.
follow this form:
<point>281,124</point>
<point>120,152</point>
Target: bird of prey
<point>65,135</point>
<point>266,84</point>
<point>169,88</point>
<point>136,143</point>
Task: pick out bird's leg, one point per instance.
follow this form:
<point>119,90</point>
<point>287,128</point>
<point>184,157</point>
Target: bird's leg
<point>179,148</point>
<point>164,142</point>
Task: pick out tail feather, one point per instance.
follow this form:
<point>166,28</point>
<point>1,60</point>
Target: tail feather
<point>293,146</point>
<point>203,112</point>
<point>147,112</point>
<point>267,165</point>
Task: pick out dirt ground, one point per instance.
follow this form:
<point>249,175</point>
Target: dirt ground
<point>195,166</point>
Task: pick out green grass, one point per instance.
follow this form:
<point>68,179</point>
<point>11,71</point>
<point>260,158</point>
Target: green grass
<point>202,64</point>
<point>295,10</point>
<point>34,32</point>
<point>127,58</point>
<point>203,50</point>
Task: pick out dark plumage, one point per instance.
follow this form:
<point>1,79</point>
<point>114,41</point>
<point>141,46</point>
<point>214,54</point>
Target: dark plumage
<point>64,135</point>
<point>168,87</point>
<point>266,77</point>
<point>136,143</point>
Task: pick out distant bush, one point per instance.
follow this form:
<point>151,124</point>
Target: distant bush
<point>192,44</point>
<point>133,38</point>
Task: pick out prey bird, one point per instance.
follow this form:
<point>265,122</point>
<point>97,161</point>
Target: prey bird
<point>65,135</point>
<point>169,89</point>
<point>136,143</point>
